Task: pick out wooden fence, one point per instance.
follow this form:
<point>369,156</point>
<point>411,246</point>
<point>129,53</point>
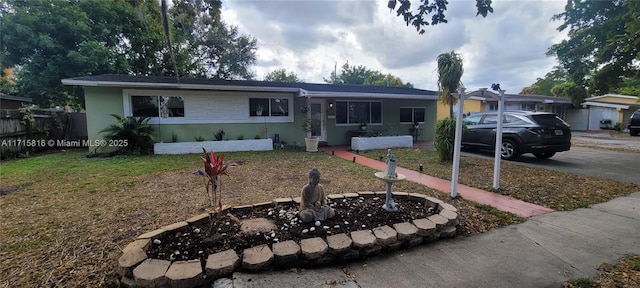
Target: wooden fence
<point>22,133</point>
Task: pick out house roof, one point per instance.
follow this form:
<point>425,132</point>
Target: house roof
<point>302,89</point>
<point>615,99</point>
<point>492,96</point>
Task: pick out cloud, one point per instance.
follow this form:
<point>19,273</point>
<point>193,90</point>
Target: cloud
<point>311,38</point>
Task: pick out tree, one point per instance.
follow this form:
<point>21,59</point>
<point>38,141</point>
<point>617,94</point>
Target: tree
<point>603,45</point>
<point>570,90</point>
<point>543,85</point>
<point>219,50</point>
<point>115,37</point>
<point>418,18</point>
<point>361,75</point>
<point>280,75</point>
<point>449,74</point>
<point>99,37</point>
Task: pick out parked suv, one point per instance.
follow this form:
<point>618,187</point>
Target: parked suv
<point>540,133</point>
<point>634,123</point>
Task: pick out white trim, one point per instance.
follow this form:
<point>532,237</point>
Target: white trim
<point>611,95</point>
<point>606,105</point>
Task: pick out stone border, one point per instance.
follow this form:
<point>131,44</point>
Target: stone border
<point>137,270</point>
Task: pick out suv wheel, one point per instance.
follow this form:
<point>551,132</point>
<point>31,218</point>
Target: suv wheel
<point>544,155</point>
<point>509,150</point>
<point>633,132</point>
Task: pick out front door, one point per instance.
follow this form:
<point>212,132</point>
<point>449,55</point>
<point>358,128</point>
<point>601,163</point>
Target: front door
<point>318,112</point>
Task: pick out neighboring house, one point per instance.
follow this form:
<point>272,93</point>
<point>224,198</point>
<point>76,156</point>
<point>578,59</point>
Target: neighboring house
<point>613,107</point>
<point>13,102</point>
<point>192,107</point>
<point>482,101</point>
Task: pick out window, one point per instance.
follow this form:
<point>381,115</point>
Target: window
<point>493,106</point>
<point>157,106</point>
<point>356,112</point>
<point>272,107</point>
<point>412,115</point>
<point>527,107</point>
<point>472,120</point>
<point>490,119</point>
<point>557,109</point>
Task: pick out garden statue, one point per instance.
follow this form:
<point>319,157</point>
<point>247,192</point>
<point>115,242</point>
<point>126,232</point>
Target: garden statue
<point>391,166</point>
<point>313,206</point>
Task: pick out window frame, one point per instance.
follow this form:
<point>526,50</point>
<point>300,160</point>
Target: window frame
<point>413,114</point>
<point>348,123</point>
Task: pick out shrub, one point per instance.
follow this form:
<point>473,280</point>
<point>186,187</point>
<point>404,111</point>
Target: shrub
<point>134,133</point>
<point>444,140</point>
<point>240,137</point>
<point>198,138</point>
<point>219,135</point>
<point>174,137</point>
<point>257,136</point>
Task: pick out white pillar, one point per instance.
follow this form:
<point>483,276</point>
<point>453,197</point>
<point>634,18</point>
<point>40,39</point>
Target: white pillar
<point>457,143</point>
<point>496,163</point>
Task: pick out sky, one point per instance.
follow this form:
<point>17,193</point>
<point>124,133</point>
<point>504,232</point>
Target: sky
<point>309,37</point>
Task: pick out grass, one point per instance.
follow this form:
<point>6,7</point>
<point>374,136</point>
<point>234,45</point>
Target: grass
<point>65,218</point>
<point>625,273</point>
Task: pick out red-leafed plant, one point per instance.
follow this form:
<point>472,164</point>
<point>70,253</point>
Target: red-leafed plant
<point>214,167</point>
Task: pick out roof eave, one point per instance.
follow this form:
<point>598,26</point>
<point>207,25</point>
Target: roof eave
<point>371,95</point>
<point>178,86</point>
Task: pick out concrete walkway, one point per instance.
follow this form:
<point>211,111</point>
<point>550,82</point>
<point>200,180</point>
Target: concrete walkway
<point>500,202</point>
<point>542,252</point>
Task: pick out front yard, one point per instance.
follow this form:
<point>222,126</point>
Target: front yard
<point>65,218</point>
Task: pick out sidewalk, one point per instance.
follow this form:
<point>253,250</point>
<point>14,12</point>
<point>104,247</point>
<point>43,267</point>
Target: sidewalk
<point>544,251</point>
<point>500,202</point>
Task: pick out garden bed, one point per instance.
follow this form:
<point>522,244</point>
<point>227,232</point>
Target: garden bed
<point>203,239</point>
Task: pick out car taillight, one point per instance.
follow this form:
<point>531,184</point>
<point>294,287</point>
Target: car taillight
<point>536,130</point>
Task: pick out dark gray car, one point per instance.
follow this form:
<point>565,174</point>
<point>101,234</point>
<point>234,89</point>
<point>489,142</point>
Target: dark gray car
<point>540,133</point>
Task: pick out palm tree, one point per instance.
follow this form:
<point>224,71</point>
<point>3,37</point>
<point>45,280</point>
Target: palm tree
<point>449,74</point>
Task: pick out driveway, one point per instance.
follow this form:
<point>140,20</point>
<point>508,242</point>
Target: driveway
<point>601,163</point>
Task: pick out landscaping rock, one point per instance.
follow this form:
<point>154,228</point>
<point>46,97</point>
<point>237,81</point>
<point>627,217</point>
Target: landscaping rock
<point>313,248</point>
<point>448,232</point>
<point>129,260</point>
<point>177,227</point>
<point>222,283</point>
<point>199,220</point>
<point>257,225</point>
<point>385,235</point>
<point>185,274</point>
<point>286,252</point>
<point>222,263</point>
<point>405,230</point>
<point>447,206</point>
<point>257,258</point>
<point>363,239</point>
<point>151,273</point>
<point>153,234</point>
<point>339,243</point>
<point>425,227</point>
<point>440,221</point>
<point>451,216</point>
<point>280,201</point>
